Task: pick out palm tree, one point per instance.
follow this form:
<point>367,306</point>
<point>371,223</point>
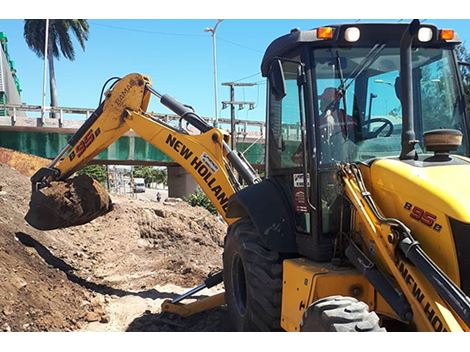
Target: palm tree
<point>59,38</point>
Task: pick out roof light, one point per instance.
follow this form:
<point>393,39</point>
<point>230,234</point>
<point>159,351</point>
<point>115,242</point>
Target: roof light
<point>352,34</point>
<point>325,32</point>
<point>425,34</point>
<point>447,34</point>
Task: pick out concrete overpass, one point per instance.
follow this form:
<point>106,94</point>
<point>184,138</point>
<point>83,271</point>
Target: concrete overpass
<point>46,137</point>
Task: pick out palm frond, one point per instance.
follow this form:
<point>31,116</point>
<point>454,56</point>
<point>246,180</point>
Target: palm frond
<point>34,35</point>
<point>63,39</point>
<point>59,36</point>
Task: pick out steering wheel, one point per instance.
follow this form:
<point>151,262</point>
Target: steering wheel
<point>376,133</point>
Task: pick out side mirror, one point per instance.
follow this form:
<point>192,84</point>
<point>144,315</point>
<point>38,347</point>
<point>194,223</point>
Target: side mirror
<point>277,80</point>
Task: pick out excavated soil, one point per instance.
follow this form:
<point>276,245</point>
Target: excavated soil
<point>141,244</point>
<point>112,272</point>
<point>33,295</point>
<point>75,201</point>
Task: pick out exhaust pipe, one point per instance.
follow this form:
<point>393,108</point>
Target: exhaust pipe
<point>408,138</point>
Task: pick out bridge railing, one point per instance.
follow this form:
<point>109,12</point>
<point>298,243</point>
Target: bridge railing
<point>17,112</point>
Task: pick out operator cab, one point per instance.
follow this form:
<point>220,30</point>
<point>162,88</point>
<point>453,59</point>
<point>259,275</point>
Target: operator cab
<point>344,81</point>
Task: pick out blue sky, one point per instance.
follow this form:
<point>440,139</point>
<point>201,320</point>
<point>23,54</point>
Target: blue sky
<point>177,54</point>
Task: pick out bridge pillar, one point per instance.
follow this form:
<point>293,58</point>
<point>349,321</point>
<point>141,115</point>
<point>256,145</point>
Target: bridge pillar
<point>180,182</point>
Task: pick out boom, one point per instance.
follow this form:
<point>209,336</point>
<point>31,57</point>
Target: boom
<point>206,156</point>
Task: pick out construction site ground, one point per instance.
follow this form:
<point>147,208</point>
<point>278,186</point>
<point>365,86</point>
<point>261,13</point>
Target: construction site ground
<point>111,274</point>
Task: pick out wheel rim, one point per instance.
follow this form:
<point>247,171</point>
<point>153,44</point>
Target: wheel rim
<point>239,284</point>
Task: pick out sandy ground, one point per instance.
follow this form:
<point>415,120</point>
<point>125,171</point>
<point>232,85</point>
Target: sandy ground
<point>137,313</point>
<point>111,274</point>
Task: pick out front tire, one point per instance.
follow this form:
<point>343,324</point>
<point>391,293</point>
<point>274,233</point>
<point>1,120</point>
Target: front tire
<point>252,279</point>
<point>340,314</point>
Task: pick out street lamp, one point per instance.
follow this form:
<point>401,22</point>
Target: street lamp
<point>46,45</point>
<point>213,30</point>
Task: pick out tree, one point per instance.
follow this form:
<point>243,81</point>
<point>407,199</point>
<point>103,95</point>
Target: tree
<point>464,56</point>
<point>59,39</point>
<point>150,174</point>
<point>199,198</point>
<point>98,172</point>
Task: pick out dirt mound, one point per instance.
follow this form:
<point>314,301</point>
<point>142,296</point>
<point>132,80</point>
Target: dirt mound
<point>59,279</point>
<point>34,296</point>
<point>67,203</point>
<point>141,244</point>
<point>25,164</point>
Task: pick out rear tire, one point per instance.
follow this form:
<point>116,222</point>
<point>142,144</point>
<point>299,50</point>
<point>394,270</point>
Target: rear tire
<point>252,279</point>
<point>340,314</point>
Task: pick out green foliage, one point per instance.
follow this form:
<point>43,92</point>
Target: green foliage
<point>98,172</point>
<point>464,56</point>
<point>59,36</point>
<point>199,198</point>
<point>150,174</point>
<point>59,42</point>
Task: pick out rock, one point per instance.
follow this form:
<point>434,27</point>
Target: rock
<point>92,316</point>
<point>85,303</point>
<point>104,319</point>
<point>171,201</point>
<point>161,213</point>
<point>25,326</point>
<point>96,301</point>
<point>7,310</point>
<point>6,327</point>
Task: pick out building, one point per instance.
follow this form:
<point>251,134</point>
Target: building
<point>10,90</point>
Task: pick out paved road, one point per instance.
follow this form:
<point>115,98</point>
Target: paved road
<point>151,194</point>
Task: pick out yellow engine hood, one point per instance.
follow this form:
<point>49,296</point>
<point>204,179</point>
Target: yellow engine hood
<point>440,189</point>
<point>443,187</point>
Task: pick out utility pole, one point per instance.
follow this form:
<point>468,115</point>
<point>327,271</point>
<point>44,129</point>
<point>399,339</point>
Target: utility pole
<point>233,103</point>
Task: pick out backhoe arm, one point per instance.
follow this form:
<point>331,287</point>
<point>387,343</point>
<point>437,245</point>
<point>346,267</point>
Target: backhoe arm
<point>435,303</point>
<point>206,156</point>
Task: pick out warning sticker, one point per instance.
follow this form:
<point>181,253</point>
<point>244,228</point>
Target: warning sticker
<point>299,180</point>
<point>209,162</point>
<point>299,200</point>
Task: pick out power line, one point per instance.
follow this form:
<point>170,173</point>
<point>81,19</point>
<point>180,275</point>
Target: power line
<point>147,31</point>
<point>137,30</point>
<point>241,79</point>
<point>240,45</point>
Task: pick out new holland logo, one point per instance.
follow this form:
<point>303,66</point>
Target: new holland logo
<point>205,167</point>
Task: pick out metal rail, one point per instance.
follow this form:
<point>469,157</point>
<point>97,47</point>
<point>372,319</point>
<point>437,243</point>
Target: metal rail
<point>12,110</point>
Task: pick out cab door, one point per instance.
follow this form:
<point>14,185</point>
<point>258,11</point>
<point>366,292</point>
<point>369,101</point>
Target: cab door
<point>285,158</point>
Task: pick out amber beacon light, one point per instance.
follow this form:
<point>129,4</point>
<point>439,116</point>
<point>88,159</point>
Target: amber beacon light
<point>325,32</point>
<point>447,34</point>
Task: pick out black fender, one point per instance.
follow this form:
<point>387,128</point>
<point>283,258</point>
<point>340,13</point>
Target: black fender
<point>270,211</point>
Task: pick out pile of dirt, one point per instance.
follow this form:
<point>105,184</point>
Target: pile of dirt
<point>34,296</point>
<point>25,164</point>
<point>72,202</point>
<point>61,279</point>
<point>141,244</point>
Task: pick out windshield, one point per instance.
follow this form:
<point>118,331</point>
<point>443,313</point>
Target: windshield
<point>365,121</point>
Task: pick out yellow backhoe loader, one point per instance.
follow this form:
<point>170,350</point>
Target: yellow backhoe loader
<point>362,222</point>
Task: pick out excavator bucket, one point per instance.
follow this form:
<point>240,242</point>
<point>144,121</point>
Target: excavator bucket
<point>67,203</point>
<point>63,203</point>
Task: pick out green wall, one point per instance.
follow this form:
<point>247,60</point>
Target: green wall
<point>48,145</point>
